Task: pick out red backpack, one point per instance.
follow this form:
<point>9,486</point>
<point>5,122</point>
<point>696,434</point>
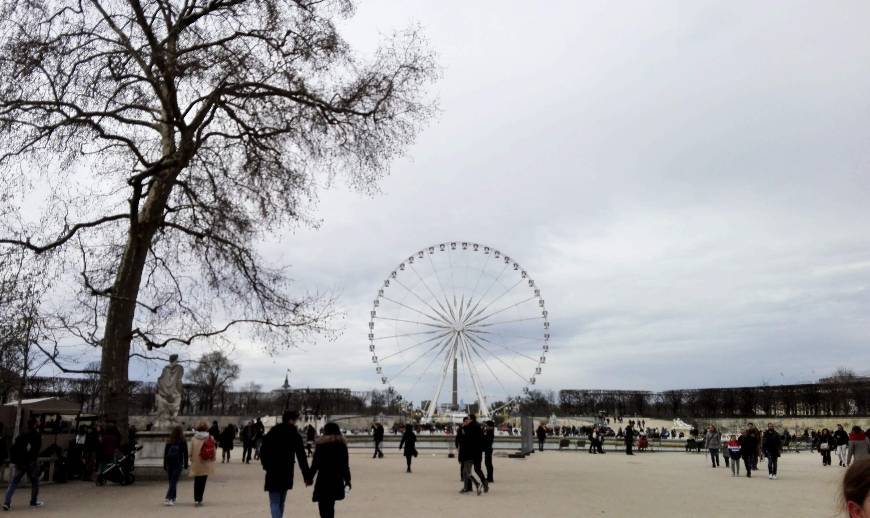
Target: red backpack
<point>207,452</point>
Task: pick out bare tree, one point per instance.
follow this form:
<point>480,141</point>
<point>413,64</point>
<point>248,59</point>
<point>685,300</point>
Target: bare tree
<point>213,375</point>
<point>172,135</point>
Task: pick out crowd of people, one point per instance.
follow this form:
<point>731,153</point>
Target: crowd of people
<point>752,445</point>
<point>284,446</point>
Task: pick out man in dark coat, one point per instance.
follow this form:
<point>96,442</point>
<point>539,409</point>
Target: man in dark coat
<point>541,432</point>
<point>629,439</point>
<point>280,446</point>
<point>24,456</point>
<point>771,446</point>
<point>488,440</point>
<point>470,454</point>
<point>748,448</point>
<point>378,436</point>
<point>248,433</point>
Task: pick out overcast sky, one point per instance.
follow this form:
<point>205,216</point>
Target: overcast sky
<point>686,181</point>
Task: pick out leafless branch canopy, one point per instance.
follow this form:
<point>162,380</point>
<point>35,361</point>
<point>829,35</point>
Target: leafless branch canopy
<point>176,133</point>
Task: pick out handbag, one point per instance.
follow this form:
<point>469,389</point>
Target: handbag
<point>824,446</point>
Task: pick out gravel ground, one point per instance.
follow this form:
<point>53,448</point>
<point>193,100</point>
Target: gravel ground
<point>564,484</point>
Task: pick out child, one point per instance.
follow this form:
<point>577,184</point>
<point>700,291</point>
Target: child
<point>733,452</point>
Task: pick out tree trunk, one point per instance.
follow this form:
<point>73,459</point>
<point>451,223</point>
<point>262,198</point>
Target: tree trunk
<point>114,368</point>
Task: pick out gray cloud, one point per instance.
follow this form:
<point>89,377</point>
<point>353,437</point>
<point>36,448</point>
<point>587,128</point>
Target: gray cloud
<point>686,182</point>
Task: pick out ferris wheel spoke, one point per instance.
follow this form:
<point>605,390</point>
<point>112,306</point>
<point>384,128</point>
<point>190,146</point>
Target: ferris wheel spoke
<point>493,301</point>
<point>520,338</point>
<point>438,279</point>
<point>494,313</point>
<point>415,310</point>
<point>439,326</point>
<point>486,364</point>
<point>445,366</point>
<point>425,371</point>
<point>414,293</point>
<point>476,380</point>
<point>490,324</point>
<point>426,285</point>
<point>411,364</point>
<point>418,344</point>
<point>508,349</point>
<point>403,335</point>
<point>483,347</point>
<point>493,283</point>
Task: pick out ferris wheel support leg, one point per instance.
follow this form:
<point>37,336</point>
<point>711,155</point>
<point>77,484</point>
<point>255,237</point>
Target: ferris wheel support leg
<point>481,399</point>
<point>433,403</point>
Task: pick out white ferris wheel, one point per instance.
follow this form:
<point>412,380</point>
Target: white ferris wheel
<point>461,313</point>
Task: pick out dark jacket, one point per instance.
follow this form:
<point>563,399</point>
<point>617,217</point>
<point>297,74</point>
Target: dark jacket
<point>488,439</point>
<point>841,437</point>
<point>330,464</point>
<point>471,442</point>
<point>214,431</point>
<point>771,444</point>
<point>248,436</point>
<point>748,445</point>
<point>26,448</point>
<point>409,441</point>
<point>226,438</point>
<point>280,445</point>
<point>629,435</point>
<point>378,434</point>
<point>541,432</point>
<point>178,461</point>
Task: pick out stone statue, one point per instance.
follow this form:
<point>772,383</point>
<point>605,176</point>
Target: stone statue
<point>169,393</point>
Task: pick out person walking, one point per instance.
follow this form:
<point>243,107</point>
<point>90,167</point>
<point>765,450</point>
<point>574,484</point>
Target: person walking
<point>215,430</point>
<point>378,436</point>
<point>175,459</point>
<point>748,449</point>
<point>24,456</point>
<point>841,442</point>
<point>280,446</point>
<point>488,441</point>
<point>470,452</point>
<point>713,443</point>
<point>629,439</point>
<point>409,442</point>
<point>331,468</point>
<point>92,446</point>
<point>757,433</point>
<point>259,433</point>
<point>225,441</point>
<point>771,446</point>
<point>824,441</point>
<point>859,445</point>
<point>203,453</point>
<point>541,432</point>
<point>248,433</point>
<point>855,492</point>
<point>733,451</point>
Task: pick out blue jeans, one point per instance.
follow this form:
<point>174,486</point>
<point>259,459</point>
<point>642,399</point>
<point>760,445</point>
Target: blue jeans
<point>32,472</point>
<point>174,475</point>
<point>276,503</point>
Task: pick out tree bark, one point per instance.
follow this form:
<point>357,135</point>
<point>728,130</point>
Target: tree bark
<point>114,375</point>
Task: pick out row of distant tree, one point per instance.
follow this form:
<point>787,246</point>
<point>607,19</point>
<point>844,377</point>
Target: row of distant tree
<point>844,394</point>
<point>208,390</point>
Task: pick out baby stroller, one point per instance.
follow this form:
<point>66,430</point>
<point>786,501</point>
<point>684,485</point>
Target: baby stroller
<point>120,471</point>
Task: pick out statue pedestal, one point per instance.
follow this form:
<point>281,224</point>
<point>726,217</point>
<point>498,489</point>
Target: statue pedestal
<point>149,460</point>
